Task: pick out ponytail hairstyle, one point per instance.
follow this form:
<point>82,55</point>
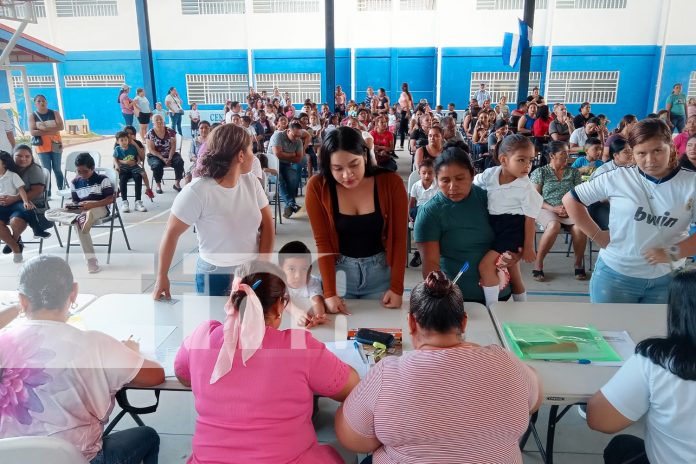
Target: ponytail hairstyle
<point>512,143</point>
<point>270,290</point>
<point>616,146</point>
<point>124,88</point>
<point>625,121</point>
<point>654,128</point>
<point>675,352</point>
<point>46,281</point>
<point>437,304</point>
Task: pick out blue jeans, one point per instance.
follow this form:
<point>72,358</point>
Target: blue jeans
<point>176,122</point>
<point>678,122</point>
<point>51,161</point>
<point>212,280</point>
<point>128,118</point>
<point>363,278</point>
<point>289,181</point>
<point>131,446</point>
<point>609,286</point>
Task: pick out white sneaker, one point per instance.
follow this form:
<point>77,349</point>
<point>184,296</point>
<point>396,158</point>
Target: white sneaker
<point>124,207</point>
<point>140,207</point>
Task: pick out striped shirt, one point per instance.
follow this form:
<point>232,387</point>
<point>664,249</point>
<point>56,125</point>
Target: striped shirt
<point>95,188</point>
<point>463,405</point>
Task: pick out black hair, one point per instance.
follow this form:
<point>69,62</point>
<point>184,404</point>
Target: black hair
<point>233,104</point>
<point>294,249</point>
<point>543,113</point>
<point>22,146</point>
<point>8,161</point>
<point>295,125</point>
<point>130,130</point>
<point>246,119</point>
<point>46,281</point>
<point>592,141</point>
<point>437,304</point>
<point>511,143</point>
<point>345,138</point>
<point>676,351</point>
<point>651,116</point>
<point>426,163</point>
<point>271,289</point>
<point>454,153</point>
<point>594,121</point>
<point>85,159</point>
<point>207,123</point>
<point>121,134</point>
<point>500,123</point>
<point>616,146</point>
<point>521,104</point>
<point>554,147</point>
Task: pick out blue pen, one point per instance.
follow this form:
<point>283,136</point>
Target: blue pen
<point>360,352</point>
<point>578,361</point>
<point>465,267</point>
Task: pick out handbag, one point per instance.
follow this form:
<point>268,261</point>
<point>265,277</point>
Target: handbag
<point>36,140</point>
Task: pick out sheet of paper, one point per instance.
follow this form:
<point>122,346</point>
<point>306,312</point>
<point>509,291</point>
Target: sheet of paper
<point>346,352</point>
<point>150,337</point>
<point>622,343</point>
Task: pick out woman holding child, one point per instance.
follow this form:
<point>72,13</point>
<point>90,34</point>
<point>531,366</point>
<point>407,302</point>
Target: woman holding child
<point>359,215</point>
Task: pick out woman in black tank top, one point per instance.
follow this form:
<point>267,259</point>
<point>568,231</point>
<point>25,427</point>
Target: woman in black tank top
<point>432,150</point>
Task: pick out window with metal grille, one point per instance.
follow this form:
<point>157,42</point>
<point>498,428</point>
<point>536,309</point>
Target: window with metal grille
<point>591,4</point>
<point>216,89</point>
<point>286,6</point>
<point>502,83</point>
<point>300,86</point>
<point>95,80</point>
<point>507,4</point>
<point>34,81</point>
<point>374,5</point>
<point>79,8</point>
<point>582,86</point>
<point>417,5</point>
<point>691,91</point>
<point>212,7</point>
<point>16,10</point>
<point>39,8</point>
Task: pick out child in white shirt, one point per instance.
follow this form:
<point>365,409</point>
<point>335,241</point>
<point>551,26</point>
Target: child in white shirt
<point>513,204</point>
<point>421,192</point>
<point>296,261</point>
<point>12,185</point>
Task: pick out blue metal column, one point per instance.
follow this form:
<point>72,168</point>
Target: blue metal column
<point>526,61</point>
<point>330,53</point>
<point>143,18</point>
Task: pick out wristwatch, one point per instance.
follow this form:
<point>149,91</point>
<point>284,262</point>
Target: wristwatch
<point>674,253</point>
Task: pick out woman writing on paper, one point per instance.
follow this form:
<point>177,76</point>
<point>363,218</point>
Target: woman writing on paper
<point>659,381</point>
<point>652,205</point>
<point>403,412</point>
<point>234,370</point>
<point>62,378</point>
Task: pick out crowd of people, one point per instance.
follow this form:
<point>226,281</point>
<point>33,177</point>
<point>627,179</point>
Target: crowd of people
<point>483,188</point>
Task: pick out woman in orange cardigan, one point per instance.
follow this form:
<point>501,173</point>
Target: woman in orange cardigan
<point>359,216</point>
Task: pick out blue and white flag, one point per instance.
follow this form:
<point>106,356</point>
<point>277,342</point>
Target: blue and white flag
<point>515,44</point>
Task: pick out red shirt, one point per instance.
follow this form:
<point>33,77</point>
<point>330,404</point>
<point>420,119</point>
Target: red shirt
<point>540,127</point>
<point>385,139</point>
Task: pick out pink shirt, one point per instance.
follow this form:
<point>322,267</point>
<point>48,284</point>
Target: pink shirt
<point>680,142</point>
<point>261,412</point>
<point>124,100</point>
<point>474,413</point>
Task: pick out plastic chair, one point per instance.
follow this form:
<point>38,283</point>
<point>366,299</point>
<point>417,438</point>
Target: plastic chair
<point>39,450</point>
<point>70,167</point>
<point>412,179</point>
<point>107,222</point>
<point>273,193</point>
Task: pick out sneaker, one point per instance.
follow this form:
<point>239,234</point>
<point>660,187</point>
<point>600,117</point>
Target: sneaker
<point>18,258</point>
<point>93,266</point>
<point>177,188</point>
<point>140,207</point>
<point>296,208</point>
<point>416,260</point>
<point>150,194</point>
<point>39,234</point>
<point>287,212</point>
<point>6,250</point>
<point>159,191</point>
<point>125,208</point>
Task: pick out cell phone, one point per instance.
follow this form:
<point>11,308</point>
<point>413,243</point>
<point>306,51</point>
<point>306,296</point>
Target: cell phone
<point>72,206</point>
<point>369,336</point>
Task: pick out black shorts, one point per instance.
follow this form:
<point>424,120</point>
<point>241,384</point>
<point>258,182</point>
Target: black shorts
<point>509,232</point>
<point>144,118</point>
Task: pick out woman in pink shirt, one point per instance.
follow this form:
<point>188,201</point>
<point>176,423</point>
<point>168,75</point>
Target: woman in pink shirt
<point>681,139</point>
<point>254,384</point>
<point>406,411</point>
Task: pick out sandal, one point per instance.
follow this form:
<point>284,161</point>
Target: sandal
<point>538,275</point>
<point>580,274</point>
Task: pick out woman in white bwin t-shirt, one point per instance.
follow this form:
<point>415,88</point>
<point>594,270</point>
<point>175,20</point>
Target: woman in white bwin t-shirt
<point>652,205</point>
<point>229,208</point>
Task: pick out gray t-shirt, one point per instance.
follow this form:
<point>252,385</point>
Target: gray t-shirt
<point>557,127</point>
<point>33,175</point>
<point>281,139</point>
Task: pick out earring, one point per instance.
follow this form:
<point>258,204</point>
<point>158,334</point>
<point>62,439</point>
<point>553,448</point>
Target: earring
<point>73,305</point>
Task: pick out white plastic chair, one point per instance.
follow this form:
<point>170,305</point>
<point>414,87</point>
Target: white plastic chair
<point>39,450</point>
<point>273,194</point>
<point>70,167</point>
<point>412,179</point>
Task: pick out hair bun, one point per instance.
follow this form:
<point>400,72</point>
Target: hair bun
<point>437,284</point>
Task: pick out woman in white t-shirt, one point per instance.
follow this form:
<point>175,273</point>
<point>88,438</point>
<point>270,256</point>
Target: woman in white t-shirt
<point>229,208</point>
<point>652,205</point>
<point>659,382</point>
<point>62,378</point>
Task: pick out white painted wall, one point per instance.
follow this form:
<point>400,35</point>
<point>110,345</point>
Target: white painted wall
<point>681,29</point>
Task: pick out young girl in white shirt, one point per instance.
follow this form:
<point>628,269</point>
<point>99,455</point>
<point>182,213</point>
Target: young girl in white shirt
<point>513,205</point>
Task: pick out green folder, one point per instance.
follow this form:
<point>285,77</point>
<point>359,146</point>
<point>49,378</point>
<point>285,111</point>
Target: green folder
<point>558,343</point>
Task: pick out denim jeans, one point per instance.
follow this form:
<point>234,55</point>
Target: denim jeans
<point>212,280</point>
<point>362,278</point>
<point>131,446</point>
<point>678,122</point>
<point>289,181</point>
<point>128,118</point>
<point>176,122</point>
<point>625,449</point>
<point>51,161</point>
<point>609,286</point>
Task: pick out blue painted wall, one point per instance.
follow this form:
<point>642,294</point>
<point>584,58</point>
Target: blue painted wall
<point>378,67</point>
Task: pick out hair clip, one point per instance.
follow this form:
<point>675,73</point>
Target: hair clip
<point>256,284</point>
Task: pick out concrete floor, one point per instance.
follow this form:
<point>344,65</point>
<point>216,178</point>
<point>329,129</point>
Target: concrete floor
<point>133,272</point>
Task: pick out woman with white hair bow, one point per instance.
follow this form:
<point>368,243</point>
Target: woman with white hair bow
<point>253,383</point>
